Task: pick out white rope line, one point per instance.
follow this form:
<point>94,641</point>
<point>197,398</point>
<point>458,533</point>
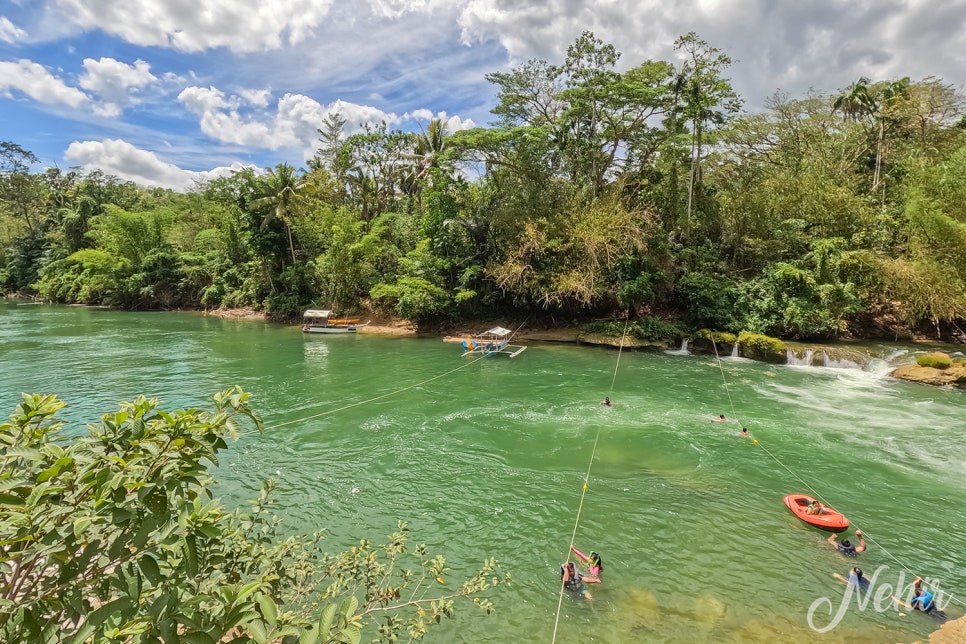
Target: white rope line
<point>583,492</point>
<point>734,414</point>
<point>573,536</point>
<point>623,335</point>
<point>369,400</point>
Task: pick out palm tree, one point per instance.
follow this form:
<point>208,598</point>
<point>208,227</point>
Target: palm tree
<point>869,103</point>
<point>283,188</point>
<point>857,102</point>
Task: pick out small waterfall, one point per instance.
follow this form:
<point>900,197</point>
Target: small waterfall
<point>683,351</point>
<point>734,350</point>
<point>841,363</point>
<point>792,359</point>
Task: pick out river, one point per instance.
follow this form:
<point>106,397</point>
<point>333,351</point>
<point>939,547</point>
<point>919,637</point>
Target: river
<point>490,460</point>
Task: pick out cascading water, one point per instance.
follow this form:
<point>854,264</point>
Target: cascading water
<point>792,359</point>
<point>683,351</point>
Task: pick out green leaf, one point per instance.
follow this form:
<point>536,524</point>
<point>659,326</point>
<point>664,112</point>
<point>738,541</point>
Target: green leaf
<point>247,590</point>
<point>7,498</point>
<point>83,633</point>
<point>101,615</point>
<point>150,569</point>
<point>310,635</point>
<point>325,620</point>
<point>352,634</point>
<point>80,526</point>
<point>198,637</point>
<point>269,609</point>
<point>349,607</point>
<point>191,556</point>
<point>257,631</point>
<point>28,453</point>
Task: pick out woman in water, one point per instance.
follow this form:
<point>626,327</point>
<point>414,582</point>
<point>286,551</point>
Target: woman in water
<point>594,563</point>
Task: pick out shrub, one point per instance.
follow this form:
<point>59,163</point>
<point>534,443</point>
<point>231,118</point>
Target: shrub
<point>936,360</point>
<point>762,347</point>
<point>718,337</point>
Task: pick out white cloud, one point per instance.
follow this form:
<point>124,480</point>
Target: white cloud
<point>128,162</point>
<point>256,97</point>
<point>793,46</point>
<point>116,83</point>
<point>453,123</point>
<point>193,27</point>
<point>113,80</point>
<point>39,84</point>
<point>10,32</point>
<point>294,123</point>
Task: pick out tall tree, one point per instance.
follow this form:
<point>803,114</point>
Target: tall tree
<point>283,188</point>
<point>707,98</point>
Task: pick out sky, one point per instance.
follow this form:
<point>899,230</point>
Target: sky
<point>171,92</point>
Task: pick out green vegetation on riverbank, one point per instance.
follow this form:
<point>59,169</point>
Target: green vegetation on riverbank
<point>594,192</point>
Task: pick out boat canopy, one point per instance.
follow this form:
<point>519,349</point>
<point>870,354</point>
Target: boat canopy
<point>499,331</point>
<point>317,313</point>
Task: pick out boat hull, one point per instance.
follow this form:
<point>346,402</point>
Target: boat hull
<point>829,520</point>
<point>332,328</point>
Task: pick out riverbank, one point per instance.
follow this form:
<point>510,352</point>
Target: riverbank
<point>848,354</point>
<point>952,632</point>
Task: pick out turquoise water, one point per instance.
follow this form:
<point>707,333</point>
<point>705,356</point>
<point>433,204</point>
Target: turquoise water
<point>490,459</point>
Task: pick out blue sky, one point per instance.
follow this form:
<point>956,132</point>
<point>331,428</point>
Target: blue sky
<point>166,92</point>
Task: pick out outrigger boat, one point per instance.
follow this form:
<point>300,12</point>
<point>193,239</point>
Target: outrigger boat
<point>320,321</point>
<point>496,340</point>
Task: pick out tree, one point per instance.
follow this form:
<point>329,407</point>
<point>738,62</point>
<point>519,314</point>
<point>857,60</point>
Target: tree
<point>113,536</point>
<point>875,106</point>
<point>22,192</point>
<point>283,188</point>
<point>707,98</point>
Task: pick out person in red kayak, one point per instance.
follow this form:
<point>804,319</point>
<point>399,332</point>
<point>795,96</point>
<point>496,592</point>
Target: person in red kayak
<point>847,547</point>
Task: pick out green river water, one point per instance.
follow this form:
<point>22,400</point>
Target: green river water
<point>490,460</point>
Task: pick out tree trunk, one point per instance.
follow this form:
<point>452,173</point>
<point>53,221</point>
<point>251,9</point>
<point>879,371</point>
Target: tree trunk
<point>878,156</point>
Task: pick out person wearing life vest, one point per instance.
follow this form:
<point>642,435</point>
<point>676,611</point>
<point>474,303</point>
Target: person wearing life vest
<point>572,580</point>
<point>924,601</point>
<point>847,548</point>
<point>594,564</point>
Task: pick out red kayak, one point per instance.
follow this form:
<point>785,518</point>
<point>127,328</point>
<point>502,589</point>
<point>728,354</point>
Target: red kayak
<point>826,519</point>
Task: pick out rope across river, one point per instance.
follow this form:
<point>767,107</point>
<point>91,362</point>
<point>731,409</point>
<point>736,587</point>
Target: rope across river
<point>583,490</point>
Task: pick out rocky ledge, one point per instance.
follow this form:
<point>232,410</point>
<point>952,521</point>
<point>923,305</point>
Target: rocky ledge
<point>954,376</point>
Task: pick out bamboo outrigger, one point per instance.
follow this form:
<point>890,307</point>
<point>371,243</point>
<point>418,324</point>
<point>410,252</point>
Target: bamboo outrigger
<point>496,340</point>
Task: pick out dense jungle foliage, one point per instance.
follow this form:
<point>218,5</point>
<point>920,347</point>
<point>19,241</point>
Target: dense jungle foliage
<point>594,192</point>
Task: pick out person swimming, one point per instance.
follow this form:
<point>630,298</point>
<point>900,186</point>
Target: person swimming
<point>923,600</point>
<point>572,580</point>
<point>606,401</point>
<point>594,563</point>
<point>846,547</point>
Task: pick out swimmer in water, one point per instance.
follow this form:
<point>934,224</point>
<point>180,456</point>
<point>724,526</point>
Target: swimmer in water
<point>594,563</point>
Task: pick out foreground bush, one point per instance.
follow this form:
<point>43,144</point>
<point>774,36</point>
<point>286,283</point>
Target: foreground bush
<point>113,536</point>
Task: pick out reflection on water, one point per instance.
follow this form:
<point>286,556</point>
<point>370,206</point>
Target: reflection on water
<point>490,461</point>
